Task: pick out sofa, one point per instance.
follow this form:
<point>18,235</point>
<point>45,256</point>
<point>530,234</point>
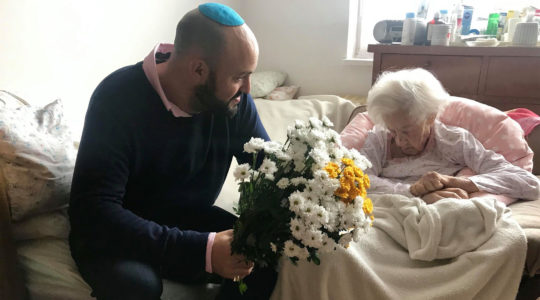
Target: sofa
<point>34,254</point>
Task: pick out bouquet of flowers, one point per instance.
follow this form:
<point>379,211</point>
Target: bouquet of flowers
<point>307,197</point>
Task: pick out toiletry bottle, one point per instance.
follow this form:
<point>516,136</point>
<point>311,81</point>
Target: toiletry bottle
<point>444,16</point>
<point>493,24</point>
<point>436,20</point>
<point>455,20</point>
<point>409,27</point>
<point>502,24</point>
<point>467,19</point>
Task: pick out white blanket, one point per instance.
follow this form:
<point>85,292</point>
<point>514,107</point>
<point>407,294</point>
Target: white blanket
<point>453,249</point>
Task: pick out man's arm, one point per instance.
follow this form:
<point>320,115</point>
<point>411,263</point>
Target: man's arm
<point>102,170</point>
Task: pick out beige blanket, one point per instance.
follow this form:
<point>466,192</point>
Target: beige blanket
<point>453,249</point>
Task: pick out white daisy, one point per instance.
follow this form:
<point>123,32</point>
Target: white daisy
<point>268,167</point>
<point>313,239</point>
<point>290,249</point>
<point>326,122</point>
<point>241,172</point>
<point>315,123</point>
<point>283,183</point>
<point>254,145</point>
<point>272,147</point>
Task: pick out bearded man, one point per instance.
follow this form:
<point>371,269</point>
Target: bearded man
<point>158,140</point>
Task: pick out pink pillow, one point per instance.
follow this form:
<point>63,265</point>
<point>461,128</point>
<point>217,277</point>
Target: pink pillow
<point>492,127</point>
<point>355,133</point>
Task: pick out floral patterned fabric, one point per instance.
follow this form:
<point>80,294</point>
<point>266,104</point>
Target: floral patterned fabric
<point>37,157</point>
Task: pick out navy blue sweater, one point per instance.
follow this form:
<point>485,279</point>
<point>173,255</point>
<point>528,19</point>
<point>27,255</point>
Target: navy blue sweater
<point>139,169</point>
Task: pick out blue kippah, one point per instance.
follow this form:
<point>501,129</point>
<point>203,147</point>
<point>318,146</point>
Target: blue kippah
<point>222,14</point>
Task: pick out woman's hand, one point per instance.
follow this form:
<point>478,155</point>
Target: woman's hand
<point>456,193</point>
<point>433,181</point>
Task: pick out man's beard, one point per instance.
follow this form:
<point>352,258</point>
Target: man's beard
<point>205,96</point>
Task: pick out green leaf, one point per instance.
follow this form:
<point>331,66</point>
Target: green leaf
<point>242,287</point>
<point>315,258</point>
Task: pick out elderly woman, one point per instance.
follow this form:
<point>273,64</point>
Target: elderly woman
<point>414,154</point>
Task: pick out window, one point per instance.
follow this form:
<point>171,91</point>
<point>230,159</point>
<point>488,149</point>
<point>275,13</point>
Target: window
<point>364,14</point>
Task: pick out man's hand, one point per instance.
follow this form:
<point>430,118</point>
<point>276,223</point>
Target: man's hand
<point>224,263</point>
<point>456,193</point>
<point>433,181</point>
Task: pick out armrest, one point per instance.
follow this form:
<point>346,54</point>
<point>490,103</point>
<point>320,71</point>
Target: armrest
<point>11,280</point>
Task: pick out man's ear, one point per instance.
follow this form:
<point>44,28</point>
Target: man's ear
<point>199,70</point>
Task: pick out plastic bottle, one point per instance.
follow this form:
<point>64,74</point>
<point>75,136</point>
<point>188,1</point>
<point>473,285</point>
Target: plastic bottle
<point>444,16</point>
<point>493,24</point>
<point>467,19</point>
<point>436,20</point>
<point>536,18</point>
<point>509,15</point>
<point>455,20</point>
<point>409,27</point>
<point>502,24</point>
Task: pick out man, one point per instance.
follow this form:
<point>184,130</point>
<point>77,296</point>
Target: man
<point>156,147</point>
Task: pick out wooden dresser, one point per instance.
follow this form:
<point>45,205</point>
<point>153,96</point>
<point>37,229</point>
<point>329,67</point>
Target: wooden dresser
<point>503,77</point>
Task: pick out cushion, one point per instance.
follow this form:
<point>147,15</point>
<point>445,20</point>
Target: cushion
<point>493,128</point>
<point>36,158</point>
<point>10,101</point>
<point>283,93</point>
<point>527,214</point>
<point>262,83</point>
<point>50,272</point>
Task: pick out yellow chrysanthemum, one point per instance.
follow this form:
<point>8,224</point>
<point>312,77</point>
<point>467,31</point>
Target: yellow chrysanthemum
<point>358,172</point>
<point>332,169</point>
<point>367,206</point>
<point>353,183</point>
<point>342,193</point>
<point>348,172</point>
<point>347,161</point>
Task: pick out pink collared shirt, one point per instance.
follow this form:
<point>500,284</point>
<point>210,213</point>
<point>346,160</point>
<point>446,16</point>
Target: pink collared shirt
<point>152,72</point>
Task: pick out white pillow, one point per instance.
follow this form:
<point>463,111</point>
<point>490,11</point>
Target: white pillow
<point>9,100</point>
<point>262,83</point>
<point>283,93</point>
<point>37,158</point>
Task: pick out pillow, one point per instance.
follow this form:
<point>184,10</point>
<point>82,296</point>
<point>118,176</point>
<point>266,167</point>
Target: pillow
<point>37,158</point>
<point>354,135</point>
<point>283,93</point>
<point>493,128</point>
<point>9,100</point>
<point>262,83</point>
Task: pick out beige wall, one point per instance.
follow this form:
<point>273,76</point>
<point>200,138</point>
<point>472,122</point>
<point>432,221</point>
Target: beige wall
<point>64,48</point>
<point>308,40</point>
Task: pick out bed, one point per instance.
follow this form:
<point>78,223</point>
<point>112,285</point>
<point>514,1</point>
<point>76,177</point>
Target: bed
<point>34,256</point>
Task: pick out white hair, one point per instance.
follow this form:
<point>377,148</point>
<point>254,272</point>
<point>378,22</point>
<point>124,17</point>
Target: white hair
<point>415,92</point>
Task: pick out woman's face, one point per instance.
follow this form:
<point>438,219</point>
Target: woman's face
<point>409,134</point>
